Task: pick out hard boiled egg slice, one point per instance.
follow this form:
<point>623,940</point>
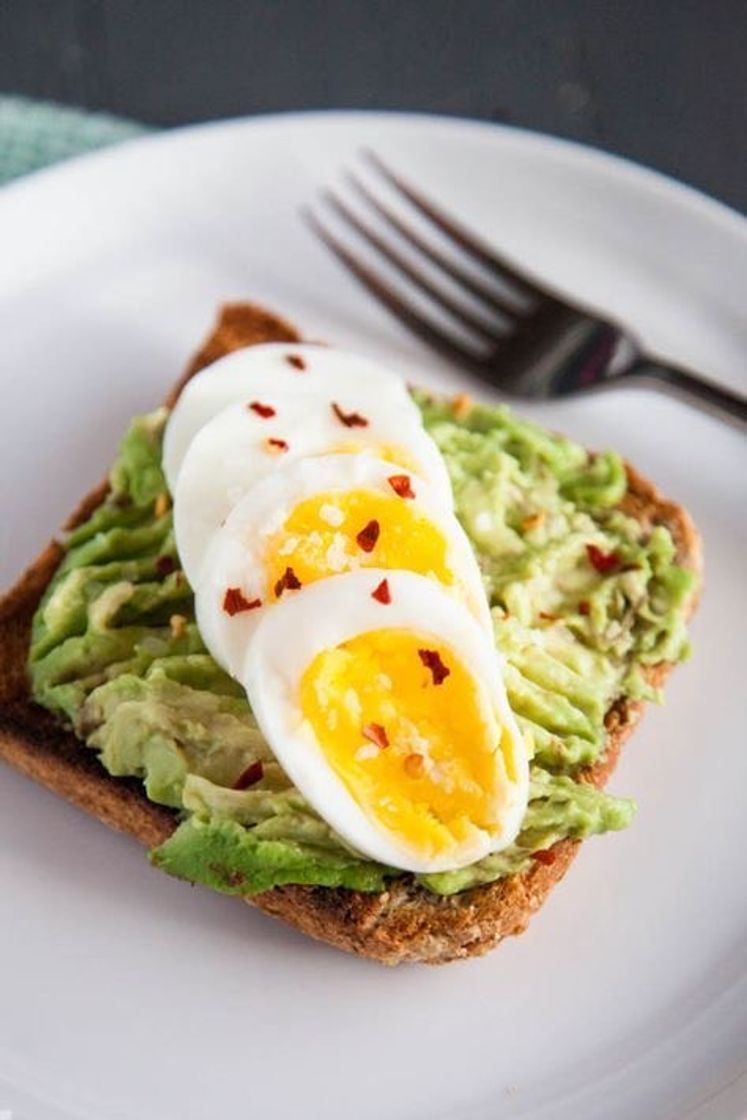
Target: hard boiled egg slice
<point>256,371</point>
<point>247,441</point>
<point>391,719</point>
<point>316,518</point>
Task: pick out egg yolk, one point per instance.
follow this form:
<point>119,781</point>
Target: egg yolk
<point>422,758</point>
<point>331,533</point>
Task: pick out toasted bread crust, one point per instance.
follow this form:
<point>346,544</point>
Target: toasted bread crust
<point>406,922</point>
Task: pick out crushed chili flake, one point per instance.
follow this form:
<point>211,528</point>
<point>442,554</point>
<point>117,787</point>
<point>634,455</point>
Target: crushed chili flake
<point>414,765</point>
<point>401,485</point>
<point>368,536</point>
<point>232,879</point>
<point>431,658</point>
<point>376,734</point>
<point>548,617</point>
<point>349,419</point>
<point>296,361</point>
<point>263,410</point>
<point>276,446</point>
<point>289,581</point>
<point>604,562</point>
<point>461,405</point>
<point>177,625</point>
<point>533,521</point>
<point>165,565</point>
<point>545,855</point>
<point>234,602</point>
<point>254,773</point>
<point>584,607</point>
<point>382,594</point>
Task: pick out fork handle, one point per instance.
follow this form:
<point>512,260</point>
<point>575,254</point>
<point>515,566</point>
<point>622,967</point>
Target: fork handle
<point>717,400</point>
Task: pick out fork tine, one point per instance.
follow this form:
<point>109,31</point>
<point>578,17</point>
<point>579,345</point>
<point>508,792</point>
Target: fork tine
<point>400,308</point>
<point>413,274</point>
<point>501,304</point>
<point>455,232</point>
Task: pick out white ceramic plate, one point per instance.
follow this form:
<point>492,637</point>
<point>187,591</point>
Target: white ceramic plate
<point>125,995</point>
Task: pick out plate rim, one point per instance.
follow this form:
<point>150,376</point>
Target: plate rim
<point>637,173</point>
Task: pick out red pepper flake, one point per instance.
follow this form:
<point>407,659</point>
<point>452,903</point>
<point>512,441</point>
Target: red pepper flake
<point>401,485</point>
<point>584,607</point>
<point>414,765</point>
<point>277,446</point>
<point>461,405</point>
<point>604,562</point>
<point>533,521</point>
<point>548,617</point>
<point>349,419</point>
<point>254,773</point>
<point>177,625</point>
<point>382,594</point>
<point>375,733</point>
<point>289,581</point>
<point>368,536</point>
<point>165,565</point>
<point>235,602</point>
<point>296,361</point>
<point>431,658</point>
<point>233,879</point>
<point>263,410</point>
<point>545,855</point>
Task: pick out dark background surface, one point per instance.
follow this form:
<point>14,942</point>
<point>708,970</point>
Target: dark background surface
<point>660,81</point>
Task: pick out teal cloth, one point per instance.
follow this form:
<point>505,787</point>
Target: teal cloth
<point>34,134</point>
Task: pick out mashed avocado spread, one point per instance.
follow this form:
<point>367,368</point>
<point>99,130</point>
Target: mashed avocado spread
<point>583,599</point>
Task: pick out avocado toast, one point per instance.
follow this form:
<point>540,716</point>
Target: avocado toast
<point>122,667</point>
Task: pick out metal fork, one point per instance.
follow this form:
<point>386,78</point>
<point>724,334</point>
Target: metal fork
<point>523,337</point>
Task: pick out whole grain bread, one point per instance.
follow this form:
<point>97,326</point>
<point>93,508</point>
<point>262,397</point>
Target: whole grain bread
<point>404,923</point>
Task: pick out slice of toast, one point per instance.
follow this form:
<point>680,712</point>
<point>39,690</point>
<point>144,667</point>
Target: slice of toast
<point>405,922</point>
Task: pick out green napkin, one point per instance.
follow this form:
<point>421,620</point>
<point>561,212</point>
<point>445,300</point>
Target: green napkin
<point>34,134</point>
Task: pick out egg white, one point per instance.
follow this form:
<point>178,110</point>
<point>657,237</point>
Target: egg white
<point>322,616</point>
<point>230,454</point>
<point>255,371</point>
<point>235,556</point>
